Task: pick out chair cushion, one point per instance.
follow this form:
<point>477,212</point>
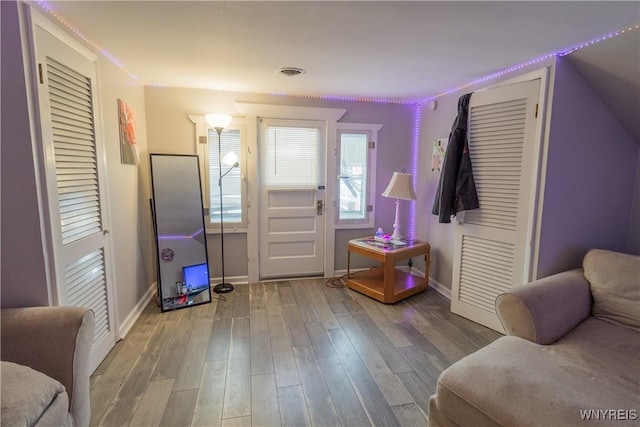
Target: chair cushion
<point>615,286</point>
<point>28,394</point>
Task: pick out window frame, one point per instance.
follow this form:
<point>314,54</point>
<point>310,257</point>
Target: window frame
<point>202,146</point>
<point>371,130</point>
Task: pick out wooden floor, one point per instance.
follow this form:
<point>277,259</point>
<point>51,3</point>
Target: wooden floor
<point>292,353</point>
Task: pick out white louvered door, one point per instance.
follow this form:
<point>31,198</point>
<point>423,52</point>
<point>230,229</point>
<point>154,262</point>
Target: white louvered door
<point>491,247</point>
<point>66,91</point>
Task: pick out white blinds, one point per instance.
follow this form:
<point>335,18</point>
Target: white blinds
<point>75,152</point>
<point>292,156</point>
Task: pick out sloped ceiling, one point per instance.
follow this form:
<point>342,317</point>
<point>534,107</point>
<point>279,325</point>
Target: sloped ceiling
<point>612,69</point>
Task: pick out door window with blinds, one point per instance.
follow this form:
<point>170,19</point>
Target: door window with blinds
<point>292,154</point>
<point>233,192</point>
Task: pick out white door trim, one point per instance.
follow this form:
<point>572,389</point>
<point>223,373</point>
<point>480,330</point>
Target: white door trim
<point>43,158</point>
<point>252,111</point>
<point>492,248</point>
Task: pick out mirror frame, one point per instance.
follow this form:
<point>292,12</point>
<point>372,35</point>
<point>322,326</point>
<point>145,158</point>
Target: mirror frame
<point>154,213</point>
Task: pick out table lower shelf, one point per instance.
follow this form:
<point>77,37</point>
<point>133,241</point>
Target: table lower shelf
<point>371,283</point>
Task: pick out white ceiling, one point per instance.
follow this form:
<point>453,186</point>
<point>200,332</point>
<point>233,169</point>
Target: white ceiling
<point>376,50</point>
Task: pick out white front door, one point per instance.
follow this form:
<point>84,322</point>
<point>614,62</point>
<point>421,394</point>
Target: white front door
<point>291,198</point>
<point>492,243</point>
<point>75,181</point>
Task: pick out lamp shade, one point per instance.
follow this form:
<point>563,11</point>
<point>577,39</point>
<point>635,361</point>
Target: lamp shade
<point>218,120</point>
<point>230,159</point>
<point>400,187</point>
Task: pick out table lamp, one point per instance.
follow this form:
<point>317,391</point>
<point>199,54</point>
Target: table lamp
<point>399,188</point>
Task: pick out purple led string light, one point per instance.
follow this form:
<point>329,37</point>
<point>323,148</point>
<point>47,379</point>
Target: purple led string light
<point>597,40</point>
<point>44,5</point>
<point>71,28</point>
<point>417,119</point>
<point>531,62</point>
<point>346,98</point>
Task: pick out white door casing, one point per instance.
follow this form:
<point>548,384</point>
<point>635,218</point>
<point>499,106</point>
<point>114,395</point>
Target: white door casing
<point>492,251</point>
<point>292,217</point>
<point>74,181</point>
<point>252,112</point>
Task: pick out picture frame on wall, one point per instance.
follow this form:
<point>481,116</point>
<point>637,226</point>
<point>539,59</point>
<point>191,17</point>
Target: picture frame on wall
<point>127,126</point>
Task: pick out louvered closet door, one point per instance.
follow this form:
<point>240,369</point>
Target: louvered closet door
<point>491,250</point>
<point>75,184</point>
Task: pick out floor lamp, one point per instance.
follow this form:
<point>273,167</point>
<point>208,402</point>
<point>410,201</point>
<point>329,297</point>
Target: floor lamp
<point>219,122</point>
<point>399,188</point>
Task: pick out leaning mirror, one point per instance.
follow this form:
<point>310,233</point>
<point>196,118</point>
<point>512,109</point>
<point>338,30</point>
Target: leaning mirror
<point>181,241</point>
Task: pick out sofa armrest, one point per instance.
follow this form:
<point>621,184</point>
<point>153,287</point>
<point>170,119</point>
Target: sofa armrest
<point>56,341</point>
<point>545,310</point>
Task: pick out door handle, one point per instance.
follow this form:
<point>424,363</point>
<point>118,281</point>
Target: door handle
<point>319,206</point>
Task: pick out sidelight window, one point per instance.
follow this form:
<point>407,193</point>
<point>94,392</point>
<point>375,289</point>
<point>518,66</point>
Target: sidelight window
<point>232,187</point>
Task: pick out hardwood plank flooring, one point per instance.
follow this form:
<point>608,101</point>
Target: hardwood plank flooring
<point>292,352</point>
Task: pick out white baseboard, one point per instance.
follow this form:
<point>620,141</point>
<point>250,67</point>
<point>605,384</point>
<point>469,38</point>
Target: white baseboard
<point>128,323</point>
<point>233,280</point>
<point>440,288</point>
<point>433,284</point>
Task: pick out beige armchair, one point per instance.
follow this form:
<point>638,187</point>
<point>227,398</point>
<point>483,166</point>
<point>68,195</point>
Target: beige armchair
<point>45,365</point>
<point>571,356</point>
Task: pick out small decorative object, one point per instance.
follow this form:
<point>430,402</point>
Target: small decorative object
<point>381,237</point>
<point>167,254</point>
<point>128,142</point>
<point>437,155</point>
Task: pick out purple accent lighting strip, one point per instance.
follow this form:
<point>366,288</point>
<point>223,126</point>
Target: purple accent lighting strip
<point>417,119</point>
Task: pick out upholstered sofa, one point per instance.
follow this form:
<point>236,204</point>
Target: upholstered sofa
<point>571,355</point>
<point>44,367</point>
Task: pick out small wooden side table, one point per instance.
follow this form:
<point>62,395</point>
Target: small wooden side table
<point>385,283</point>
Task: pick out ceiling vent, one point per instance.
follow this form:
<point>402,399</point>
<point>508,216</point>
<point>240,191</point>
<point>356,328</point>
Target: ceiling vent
<point>291,71</point>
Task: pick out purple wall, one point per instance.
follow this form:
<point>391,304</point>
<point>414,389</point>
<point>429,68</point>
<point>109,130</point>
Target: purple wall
<point>591,172</point>
<point>23,266</point>
<point>170,129</point>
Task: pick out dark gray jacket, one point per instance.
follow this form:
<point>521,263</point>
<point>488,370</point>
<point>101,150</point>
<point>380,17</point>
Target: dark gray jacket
<point>456,188</point>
